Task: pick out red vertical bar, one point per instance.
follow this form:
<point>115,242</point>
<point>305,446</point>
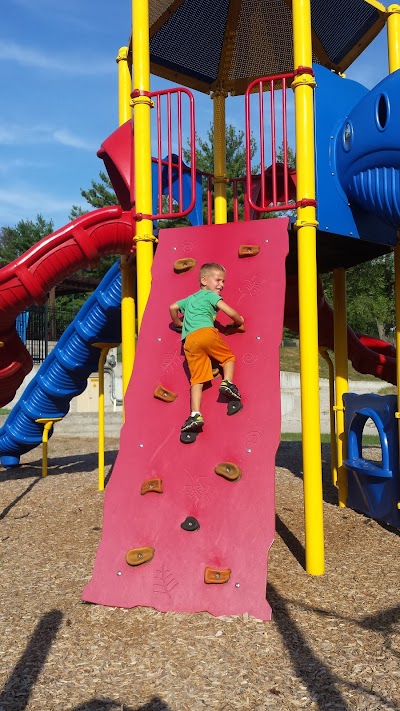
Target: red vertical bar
<point>209,201</point>
<point>181,206</point>
<point>249,177</point>
<point>235,202</point>
<point>285,144</point>
<point>159,156</point>
<point>273,142</point>
<point>169,121</point>
<point>262,141</point>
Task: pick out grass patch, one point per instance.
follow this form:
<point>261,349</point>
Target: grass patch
<point>4,411</point>
<point>371,440</point>
<point>290,362</point>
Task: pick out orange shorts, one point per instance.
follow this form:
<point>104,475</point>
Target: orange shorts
<point>200,346</point>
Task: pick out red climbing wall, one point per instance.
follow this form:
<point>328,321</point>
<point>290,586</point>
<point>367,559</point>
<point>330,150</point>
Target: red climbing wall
<point>236,517</point>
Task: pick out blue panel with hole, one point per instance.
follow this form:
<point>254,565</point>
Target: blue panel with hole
<point>374,487</point>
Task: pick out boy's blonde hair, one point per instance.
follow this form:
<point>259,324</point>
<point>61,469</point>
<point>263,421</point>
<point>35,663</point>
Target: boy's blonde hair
<point>210,267</point>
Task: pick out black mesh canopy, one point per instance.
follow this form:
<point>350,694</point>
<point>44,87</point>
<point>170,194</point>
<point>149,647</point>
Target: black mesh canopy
<point>207,44</point>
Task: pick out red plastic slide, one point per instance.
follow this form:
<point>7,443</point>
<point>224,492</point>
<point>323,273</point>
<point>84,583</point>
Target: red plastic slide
<point>367,355</point>
<point>29,278</point>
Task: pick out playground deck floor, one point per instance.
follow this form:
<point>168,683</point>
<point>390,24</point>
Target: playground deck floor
<point>334,642</point>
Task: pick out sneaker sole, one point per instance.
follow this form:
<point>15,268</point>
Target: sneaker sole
<point>195,427</point>
<point>226,391</point>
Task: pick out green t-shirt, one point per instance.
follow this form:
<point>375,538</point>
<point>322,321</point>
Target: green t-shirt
<point>199,310</point>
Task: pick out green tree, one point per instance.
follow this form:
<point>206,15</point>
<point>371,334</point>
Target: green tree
<point>14,241</point>
<point>370,296</point>
<point>235,163</point>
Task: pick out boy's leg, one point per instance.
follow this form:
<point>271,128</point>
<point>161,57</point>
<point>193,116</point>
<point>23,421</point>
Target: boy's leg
<point>227,386</point>
<point>196,392</point>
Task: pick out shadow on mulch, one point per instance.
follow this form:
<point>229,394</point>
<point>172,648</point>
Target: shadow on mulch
<point>16,693</point>
<point>322,684</point>
<point>71,464</point>
<point>289,456</point>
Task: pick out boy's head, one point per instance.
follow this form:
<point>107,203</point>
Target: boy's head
<point>212,277</point>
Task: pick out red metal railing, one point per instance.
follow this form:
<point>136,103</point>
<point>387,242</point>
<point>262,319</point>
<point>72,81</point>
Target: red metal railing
<point>170,166</point>
<point>274,188</point>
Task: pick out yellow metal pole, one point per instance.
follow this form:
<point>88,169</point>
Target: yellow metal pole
<point>142,150</point>
<point>48,424</point>
<point>220,179</point>
<point>393,33</point>
<point>104,348</point>
<point>127,272</point>
<point>325,355</point>
<point>341,376</point>
<point>306,224</point>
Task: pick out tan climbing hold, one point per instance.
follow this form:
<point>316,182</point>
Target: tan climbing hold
<point>229,471</point>
<point>213,576</point>
<point>248,250</point>
<point>184,265</point>
<point>163,394</point>
<point>151,485</point>
<point>138,556</point>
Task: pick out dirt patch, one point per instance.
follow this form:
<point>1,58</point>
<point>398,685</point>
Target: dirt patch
<point>333,642</point>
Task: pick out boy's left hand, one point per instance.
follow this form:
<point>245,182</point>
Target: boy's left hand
<point>234,328</point>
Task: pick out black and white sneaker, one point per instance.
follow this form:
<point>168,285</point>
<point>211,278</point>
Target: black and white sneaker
<point>229,389</point>
<point>193,423</point>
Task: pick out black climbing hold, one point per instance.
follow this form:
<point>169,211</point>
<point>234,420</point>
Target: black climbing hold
<point>190,524</point>
<point>234,406</point>
<point>188,437</point>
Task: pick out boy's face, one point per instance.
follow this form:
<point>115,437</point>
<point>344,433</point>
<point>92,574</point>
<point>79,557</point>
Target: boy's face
<point>214,281</point>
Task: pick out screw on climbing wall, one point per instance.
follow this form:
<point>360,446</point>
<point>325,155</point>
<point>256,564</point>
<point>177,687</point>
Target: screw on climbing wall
<point>141,445</point>
<point>217,575</point>
<point>237,585</point>
<point>140,555</point>
<point>158,339</point>
<point>151,486</point>
<point>258,338</point>
<point>248,450</point>
<point>174,247</point>
<point>266,240</point>
<point>119,572</point>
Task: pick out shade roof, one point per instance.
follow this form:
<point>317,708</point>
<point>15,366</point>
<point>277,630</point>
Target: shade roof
<point>211,44</point>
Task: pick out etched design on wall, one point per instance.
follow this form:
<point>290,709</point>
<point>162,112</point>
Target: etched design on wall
<point>249,358</point>
<point>188,246</point>
<point>253,438</point>
<point>250,287</point>
<point>164,581</point>
<point>170,361</point>
<point>196,490</point>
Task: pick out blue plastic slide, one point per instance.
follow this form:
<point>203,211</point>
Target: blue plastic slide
<point>64,373</point>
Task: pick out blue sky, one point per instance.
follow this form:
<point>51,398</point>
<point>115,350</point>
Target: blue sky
<point>59,99</point>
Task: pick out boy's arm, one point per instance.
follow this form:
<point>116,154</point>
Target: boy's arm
<point>174,311</point>
<point>237,319</point>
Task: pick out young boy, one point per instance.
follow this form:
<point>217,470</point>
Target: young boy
<point>202,341</point>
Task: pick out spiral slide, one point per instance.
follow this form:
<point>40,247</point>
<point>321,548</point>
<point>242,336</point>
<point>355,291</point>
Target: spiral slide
<point>64,373</point>
<point>29,278</point>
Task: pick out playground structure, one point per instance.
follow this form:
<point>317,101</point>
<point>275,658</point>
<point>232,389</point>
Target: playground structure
<point>147,556</point>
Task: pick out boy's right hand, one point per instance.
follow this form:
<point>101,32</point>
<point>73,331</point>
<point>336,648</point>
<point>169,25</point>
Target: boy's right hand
<point>234,328</point>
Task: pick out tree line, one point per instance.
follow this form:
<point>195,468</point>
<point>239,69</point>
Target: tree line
<point>370,286</point>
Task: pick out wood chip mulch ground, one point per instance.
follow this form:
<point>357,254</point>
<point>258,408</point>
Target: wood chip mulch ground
<point>334,641</point>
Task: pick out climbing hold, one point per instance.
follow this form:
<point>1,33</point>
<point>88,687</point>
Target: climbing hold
<point>234,406</point>
<point>188,437</point>
<point>234,328</point>
<point>212,575</point>
<point>138,556</point>
<point>216,372</point>
<point>229,471</point>
<point>184,265</point>
<point>248,250</point>
<point>190,524</point>
<point>163,394</point>
<point>152,485</point>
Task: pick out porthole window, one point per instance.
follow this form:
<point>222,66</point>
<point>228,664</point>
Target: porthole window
<point>382,111</point>
<point>347,136</point>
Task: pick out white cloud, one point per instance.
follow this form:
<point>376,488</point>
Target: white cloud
<point>51,62</point>
<point>40,133</point>
<point>21,202</point>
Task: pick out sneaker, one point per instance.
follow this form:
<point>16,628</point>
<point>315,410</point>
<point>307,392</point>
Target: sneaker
<point>193,424</point>
<point>227,388</point>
